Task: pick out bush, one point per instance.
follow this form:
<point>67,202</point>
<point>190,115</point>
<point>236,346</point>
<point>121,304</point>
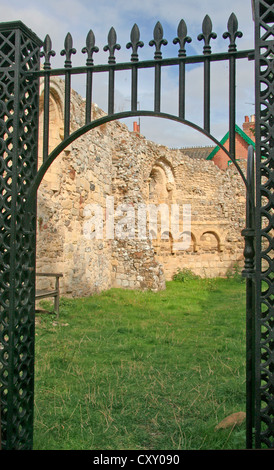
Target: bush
<point>184,275</point>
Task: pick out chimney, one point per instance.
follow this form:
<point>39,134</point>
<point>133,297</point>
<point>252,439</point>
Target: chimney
<point>136,127</point>
<point>246,118</point>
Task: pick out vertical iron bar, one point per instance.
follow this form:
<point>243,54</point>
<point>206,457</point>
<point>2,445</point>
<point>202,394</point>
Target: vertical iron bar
<point>134,88</point>
<point>158,42</point>
<point>207,94</point>
<point>248,273</point>
<point>111,46</point>
<point>182,89</point>
<point>232,105</point>
<point>111,79</point>
<point>250,305</point>
<point>135,43</point>
<point>207,35</point>
<point>47,53</point>
<point>249,363</point>
<point>88,96</point>
<point>89,49</point>
<point>67,104</point>
<point>67,51</point>
<point>232,33</point>
<point>157,89</point>
<point>46,116</point>
<point>182,39</point>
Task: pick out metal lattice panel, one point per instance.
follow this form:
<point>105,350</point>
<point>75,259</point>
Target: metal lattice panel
<point>18,143</point>
<point>264,322</point>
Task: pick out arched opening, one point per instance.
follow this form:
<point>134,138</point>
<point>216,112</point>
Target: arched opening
<point>85,176</point>
<point>161,181</point>
<point>210,242</point>
<point>189,238</point>
<point>157,185</point>
<point>131,262</point>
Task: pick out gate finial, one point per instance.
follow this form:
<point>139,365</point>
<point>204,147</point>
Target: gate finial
<point>90,47</point>
<point>158,40</point>
<point>47,52</point>
<point>112,45</point>
<point>182,38</point>
<point>232,32</point>
<point>135,43</point>
<point>207,34</point>
<point>68,50</point>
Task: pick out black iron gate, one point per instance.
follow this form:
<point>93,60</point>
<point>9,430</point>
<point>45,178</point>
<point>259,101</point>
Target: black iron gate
<point>19,102</point>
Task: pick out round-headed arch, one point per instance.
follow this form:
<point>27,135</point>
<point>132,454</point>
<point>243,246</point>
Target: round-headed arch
<point>103,120</point>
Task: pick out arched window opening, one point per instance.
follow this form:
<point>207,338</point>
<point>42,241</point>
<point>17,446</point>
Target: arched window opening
<point>210,242</point>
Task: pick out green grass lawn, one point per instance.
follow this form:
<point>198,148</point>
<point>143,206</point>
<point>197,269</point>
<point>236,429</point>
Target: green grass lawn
<point>141,370</point>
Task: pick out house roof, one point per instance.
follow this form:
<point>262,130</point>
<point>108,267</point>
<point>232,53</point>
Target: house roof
<point>197,152</point>
<point>225,138</point>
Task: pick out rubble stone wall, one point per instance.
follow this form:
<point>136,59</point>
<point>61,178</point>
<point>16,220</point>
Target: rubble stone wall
<point>111,168</point>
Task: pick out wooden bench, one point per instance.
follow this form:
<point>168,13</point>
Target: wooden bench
<point>42,294</point>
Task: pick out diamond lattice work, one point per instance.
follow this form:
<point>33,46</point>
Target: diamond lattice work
<point>18,143</point>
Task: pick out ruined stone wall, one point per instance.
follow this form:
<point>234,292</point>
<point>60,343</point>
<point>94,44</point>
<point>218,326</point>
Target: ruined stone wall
<point>81,175</point>
<point>217,200</point>
<point>111,167</point>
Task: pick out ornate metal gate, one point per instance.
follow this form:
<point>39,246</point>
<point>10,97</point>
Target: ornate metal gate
<point>19,105</point>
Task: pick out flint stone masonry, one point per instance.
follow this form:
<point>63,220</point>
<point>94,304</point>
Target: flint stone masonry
<point>112,164</point>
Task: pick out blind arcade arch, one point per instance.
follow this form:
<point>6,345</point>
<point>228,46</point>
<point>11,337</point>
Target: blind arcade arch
<point>20,51</point>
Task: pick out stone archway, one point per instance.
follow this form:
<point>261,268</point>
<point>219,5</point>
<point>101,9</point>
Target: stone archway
<point>162,185</point>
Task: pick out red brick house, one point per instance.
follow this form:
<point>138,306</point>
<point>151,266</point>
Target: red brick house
<point>244,138</point>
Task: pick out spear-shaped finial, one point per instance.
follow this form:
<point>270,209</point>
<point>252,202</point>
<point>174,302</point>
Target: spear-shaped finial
<point>90,47</point>
<point>135,43</point>
<point>182,38</point>
<point>207,34</point>
<point>68,50</point>
<point>47,52</point>
<point>112,45</point>
<point>158,40</point>
<point>232,32</point>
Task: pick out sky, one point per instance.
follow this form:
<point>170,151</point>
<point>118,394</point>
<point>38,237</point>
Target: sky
<point>58,17</point>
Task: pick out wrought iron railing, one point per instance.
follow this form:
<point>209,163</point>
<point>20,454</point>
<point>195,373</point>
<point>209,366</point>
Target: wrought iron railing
<point>135,65</point>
